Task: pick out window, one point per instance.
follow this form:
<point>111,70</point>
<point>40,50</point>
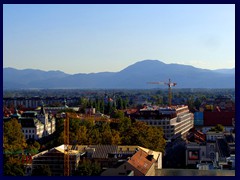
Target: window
<point>30,131</point>
<point>33,131</point>
<point>26,130</point>
<point>26,136</point>
<point>212,147</point>
<point>212,155</point>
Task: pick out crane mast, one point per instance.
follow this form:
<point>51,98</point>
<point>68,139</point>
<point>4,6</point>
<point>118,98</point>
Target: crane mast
<point>66,142</point>
<point>66,146</point>
<point>169,84</point>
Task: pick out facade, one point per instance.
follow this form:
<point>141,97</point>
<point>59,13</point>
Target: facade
<point>37,125</point>
<point>198,119</point>
<point>195,153</point>
<point>217,152</point>
<point>175,121</point>
<point>214,118</point>
<point>54,158</point>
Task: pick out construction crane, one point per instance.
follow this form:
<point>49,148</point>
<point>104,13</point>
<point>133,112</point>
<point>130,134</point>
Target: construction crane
<point>66,142</point>
<point>66,136</point>
<point>169,84</point>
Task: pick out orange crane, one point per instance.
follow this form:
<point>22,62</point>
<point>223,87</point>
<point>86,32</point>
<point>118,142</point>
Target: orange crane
<point>169,84</point>
<point>66,146</point>
<point>66,141</point>
<point>66,137</point>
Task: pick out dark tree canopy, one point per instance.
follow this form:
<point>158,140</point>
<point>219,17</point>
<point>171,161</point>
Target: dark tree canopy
<point>88,168</point>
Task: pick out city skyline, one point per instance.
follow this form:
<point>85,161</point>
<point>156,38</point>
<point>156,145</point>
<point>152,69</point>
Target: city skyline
<point>98,38</point>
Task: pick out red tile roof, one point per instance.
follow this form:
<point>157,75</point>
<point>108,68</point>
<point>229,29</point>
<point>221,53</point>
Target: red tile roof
<point>139,161</point>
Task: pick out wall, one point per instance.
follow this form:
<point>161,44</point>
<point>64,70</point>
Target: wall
<point>214,118</point>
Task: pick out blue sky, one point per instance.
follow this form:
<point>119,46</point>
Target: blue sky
<point>97,38</point>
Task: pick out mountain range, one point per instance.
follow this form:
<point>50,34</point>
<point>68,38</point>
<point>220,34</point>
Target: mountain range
<point>134,76</point>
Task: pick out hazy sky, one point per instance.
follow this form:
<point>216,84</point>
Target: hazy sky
<point>96,38</point>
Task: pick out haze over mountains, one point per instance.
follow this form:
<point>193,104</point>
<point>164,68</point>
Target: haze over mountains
<point>134,76</point>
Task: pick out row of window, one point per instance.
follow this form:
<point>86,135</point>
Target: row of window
<point>28,131</point>
<point>157,123</point>
<point>29,136</point>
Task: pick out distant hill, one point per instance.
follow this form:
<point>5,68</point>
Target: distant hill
<point>134,76</point>
<point>226,71</point>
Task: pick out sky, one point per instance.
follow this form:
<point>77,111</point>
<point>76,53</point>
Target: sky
<point>87,38</point>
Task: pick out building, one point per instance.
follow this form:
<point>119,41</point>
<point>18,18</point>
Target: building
<point>54,158</point>
<point>176,121</point>
<point>117,160</point>
<point>35,125</point>
<point>220,104</point>
<point>34,102</point>
<point>195,153</point>
<point>198,119</point>
<point>140,164</point>
<point>216,111</point>
<point>218,152</point>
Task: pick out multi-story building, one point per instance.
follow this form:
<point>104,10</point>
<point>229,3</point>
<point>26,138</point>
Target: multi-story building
<point>36,125</point>
<point>176,121</point>
<point>54,158</point>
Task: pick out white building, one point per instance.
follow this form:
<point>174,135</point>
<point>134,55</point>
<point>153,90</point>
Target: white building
<point>175,121</point>
<point>37,125</point>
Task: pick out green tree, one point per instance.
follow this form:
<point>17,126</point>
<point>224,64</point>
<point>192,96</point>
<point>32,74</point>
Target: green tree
<point>118,114</point>
<point>94,136</point>
<point>101,106</point>
<point>124,124</point>
<point>32,146</point>
<point>105,131</point>
<point>81,135</point>
<point>13,138</point>
<point>197,103</point>
<point>217,128</point>
<point>13,167</point>
<point>106,136</point>
<point>116,137</point>
<point>143,135</point>
<point>119,102</point>
<point>190,103</point>
<point>88,168</point>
